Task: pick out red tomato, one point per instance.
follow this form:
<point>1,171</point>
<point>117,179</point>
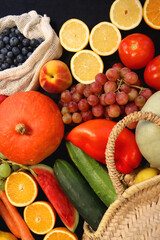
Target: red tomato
<point>136,50</point>
<point>152,73</point>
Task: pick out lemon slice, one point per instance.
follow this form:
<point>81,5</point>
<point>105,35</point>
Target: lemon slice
<point>151,13</point>
<point>126,14</point>
<point>85,64</point>
<point>105,38</point>
<point>74,35</point>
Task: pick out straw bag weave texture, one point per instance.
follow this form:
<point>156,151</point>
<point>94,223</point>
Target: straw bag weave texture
<point>25,77</point>
<point>135,215</point>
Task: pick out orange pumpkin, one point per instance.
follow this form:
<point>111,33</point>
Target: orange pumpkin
<point>31,127</point>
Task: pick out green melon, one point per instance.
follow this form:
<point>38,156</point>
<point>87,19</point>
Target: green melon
<point>47,181</point>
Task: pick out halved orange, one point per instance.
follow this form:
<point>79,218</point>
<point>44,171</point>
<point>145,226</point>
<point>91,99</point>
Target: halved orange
<point>126,14</point>
<point>151,13</point>
<point>60,233</point>
<point>105,38</point>
<point>74,35</point>
<point>40,217</point>
<point>85,64</point>
<point>21,188</point>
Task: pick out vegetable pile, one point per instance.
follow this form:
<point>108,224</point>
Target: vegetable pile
<point>59,133</point>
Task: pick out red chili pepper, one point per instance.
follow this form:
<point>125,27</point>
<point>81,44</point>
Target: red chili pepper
<point>92,137</point>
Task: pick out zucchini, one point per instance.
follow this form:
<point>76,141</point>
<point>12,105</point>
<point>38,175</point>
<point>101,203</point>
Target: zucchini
<point>81,195</point>
<point>96,175</point>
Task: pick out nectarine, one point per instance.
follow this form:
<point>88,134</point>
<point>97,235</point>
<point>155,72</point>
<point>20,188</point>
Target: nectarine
<point>55,76</point>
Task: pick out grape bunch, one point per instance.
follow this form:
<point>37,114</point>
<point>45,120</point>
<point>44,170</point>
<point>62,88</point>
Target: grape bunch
<point>5,170</point>
<point>15,48</point>
<point>116,93</point>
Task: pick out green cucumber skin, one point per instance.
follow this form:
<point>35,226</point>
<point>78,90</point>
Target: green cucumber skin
<point>94,173</point>
<point>81,195</point>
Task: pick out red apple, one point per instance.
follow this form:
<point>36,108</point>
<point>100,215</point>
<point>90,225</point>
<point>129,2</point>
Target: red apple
<point>2,98</point>
<point>55,76</point>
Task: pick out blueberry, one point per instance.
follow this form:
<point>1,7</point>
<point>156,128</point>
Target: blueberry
<point>14,41</point>
<point>13,29</point>
<point>9,48</point>
<point>34,42</point>
<point>6,31</point>
<point>10,54</point>
<point>29,54</point>
<point>1,44</point>
<point>17,32</point>
<point>6,39</point>
<point>25,42</point>
<point>40,40</point>
<point>15,50</point>
<point>20,58</point>
<point>1,36</point>
<point>12,66</point>
<point>4,66</point>
<point>2,57</point>
<point>12,34</point>
<point>9,60</point>
<point>15,62</point>
<point>24,50</point>
<point>4,51</point>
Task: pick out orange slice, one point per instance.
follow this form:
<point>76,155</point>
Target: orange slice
<point>105,38</point>
<point>74,35</point>
<point>85,64</point>
<point>126,14</point>
<point>21,189</point>
<point>60,233</point>
<point>40,217</point>
<point>151,13</point>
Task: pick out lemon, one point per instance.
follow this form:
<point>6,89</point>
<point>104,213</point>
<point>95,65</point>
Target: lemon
<point>74,35</point>
<point>126,14</point>
<point>145,174</point>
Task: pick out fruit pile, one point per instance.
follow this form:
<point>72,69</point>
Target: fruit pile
<point>15,49</point>
<point>113,94</point>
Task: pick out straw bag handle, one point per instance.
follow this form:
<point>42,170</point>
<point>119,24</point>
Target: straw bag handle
<point>110,147</point>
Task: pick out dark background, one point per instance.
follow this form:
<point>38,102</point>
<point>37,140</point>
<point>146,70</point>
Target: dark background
<point>91,12</point>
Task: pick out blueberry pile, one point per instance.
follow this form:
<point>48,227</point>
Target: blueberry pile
<point>15,48</point>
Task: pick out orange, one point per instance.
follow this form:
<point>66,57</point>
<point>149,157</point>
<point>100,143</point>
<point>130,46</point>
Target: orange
<point>21,189</point>
<point>151,13</point>
<point>105,38</point>
<point>40,217</point>
<point>85,64</point>
<point>126,14</point>
<point>74,35</point>
<point>60,233</point>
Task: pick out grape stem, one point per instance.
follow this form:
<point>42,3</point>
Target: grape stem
<point>22,167</point>
<point>134,86</point>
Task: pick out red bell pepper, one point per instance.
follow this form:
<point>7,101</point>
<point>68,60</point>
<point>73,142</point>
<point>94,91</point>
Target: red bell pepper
<point>92,136</point>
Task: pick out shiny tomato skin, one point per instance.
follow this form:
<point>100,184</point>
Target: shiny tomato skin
<point>136,50</point>
<point>152,73</point>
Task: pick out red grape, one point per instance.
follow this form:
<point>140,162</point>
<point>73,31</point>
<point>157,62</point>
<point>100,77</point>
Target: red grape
<point>140,101</point>
<point>121,98</point>
<point>132,94</point>
<point>125,88</point>
<point>112,74</point>
<point>66,96</point>
<point>80,88</point>
<point>130,108</point>
<point>118,66</point>
<point>147,93</point>
<point>83,105</point>
<point>101,78</point>
<point>124,71</point>
<point>93,100</point>
<point>64,110</point>
<point>67,118</point>
<point>131,78</point>
<point>87,115</point>
<point>87,91</point>
<point>97,110</point>
<point>76,97</point>
<point>109,97</point>
<point>72,106</point>
<point>110,86</point>
<point>76,117</point>
<point>101,99</point>
<point>95,87</point>
<point>114,110</point>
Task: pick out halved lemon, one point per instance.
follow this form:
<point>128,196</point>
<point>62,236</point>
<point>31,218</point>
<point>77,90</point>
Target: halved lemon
<point>151,13</point>
<point>105,38</point>
<point>74,35</point>
<point>126,14</point>
<point>85,64</point>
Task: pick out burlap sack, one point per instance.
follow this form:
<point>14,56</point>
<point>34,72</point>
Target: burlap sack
<point>25,77</point>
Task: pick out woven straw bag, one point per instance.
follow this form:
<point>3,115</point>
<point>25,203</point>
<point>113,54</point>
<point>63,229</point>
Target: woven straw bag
<point>135,215</point>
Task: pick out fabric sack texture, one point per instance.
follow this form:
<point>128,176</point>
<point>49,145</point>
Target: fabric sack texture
<point>25,77</point>
<point>135,214</point>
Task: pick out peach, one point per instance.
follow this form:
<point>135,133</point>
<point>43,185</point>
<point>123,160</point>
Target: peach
<point>55,76</point>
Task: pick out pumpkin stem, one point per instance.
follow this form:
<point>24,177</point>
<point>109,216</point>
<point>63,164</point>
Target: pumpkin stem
<point>20,128</point>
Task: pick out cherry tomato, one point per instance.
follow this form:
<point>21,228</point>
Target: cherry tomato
<point>152,73</point>
<point>136,50</point>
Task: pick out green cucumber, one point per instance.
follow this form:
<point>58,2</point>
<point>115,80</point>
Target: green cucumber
<point>96,175</point>
<point>80,194</point>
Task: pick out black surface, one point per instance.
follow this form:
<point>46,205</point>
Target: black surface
<point>91,12</point>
